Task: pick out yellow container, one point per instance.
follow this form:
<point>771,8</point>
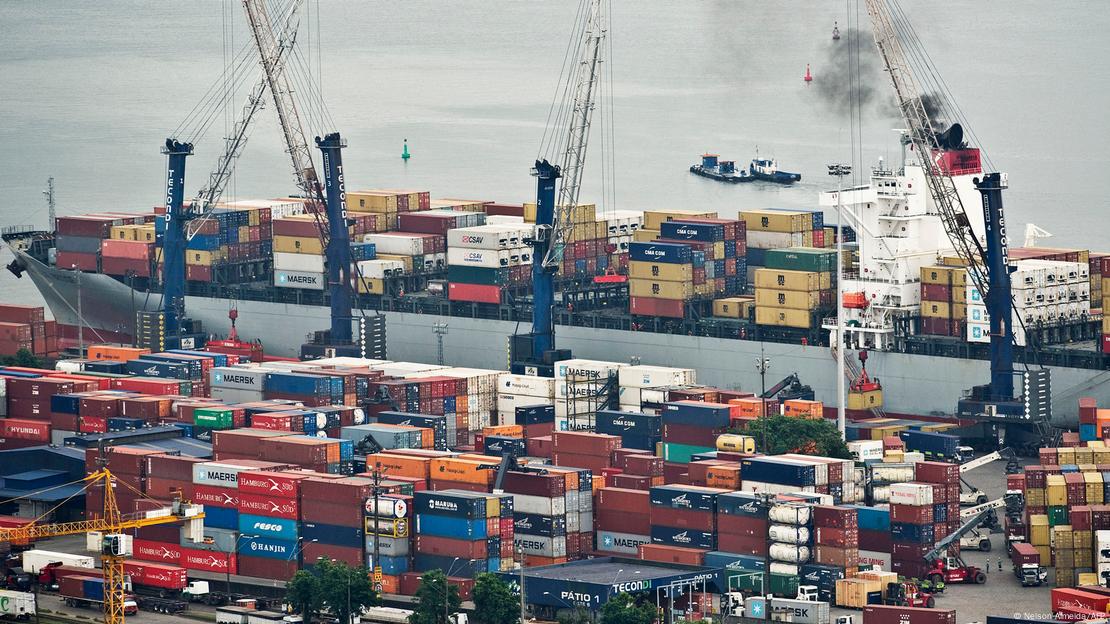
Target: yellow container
<point>865,400</point>
<point>937,275</point>
<point>373,201</point>
<point>582,213</point>
<point>298,244</point>
<point>736,443</point>
<point>1066,455</point>
<point>660,271</point>
<point>405,260</point>
<point>959,310</point>
<point>1056,493</point>
<point>199,258</point>
<point>660,289</point>
<point>937,309</point>
<point>783,317</point>
<point>953,261</point>
<point>893,457</point>
<point>1101,453</point>
<point>704,290</point>
<point>719,249</point>
<point>795,299</point>
<point>654,218</point>
<point>1087,578</point>
<point>733,307</point>
<point>1035,497</point>
<point>123,232</point>
<point>776,279</point>
<point>807,238</point>
<point>1039,533</point>
<point>852,592</point>
<point>959,294</point>
<point>645,236</point>
<point>1083,455</point>
<point>778,221</point>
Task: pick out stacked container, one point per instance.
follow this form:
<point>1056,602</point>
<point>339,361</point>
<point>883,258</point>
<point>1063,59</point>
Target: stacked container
<point>836,550</point>
<point>684,516</point>
<point>597,242</point>
<point>646,386</point>
<point>661,278</point>
<point>463,533</point>
<point>332,513</point>
<point>796,287</point>
<point>636,431</point>
<point>25,327</point>
<point>269,514</point>
<point>388,526</point>
<point>623,520</point>
<point>691,427</point>
<point>580,389</point>
<point>791,537</point>
<point>582,449</point>
<point>911,527</point>
<point>483,261</point>
<point>519,391</point>
<point>776,229</point>
<point>1044,292</point>
<point>467,396</point>
<point>943,300</point>
<point>387,204</point>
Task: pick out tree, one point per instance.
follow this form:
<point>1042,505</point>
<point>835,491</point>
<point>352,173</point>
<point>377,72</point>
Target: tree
<point>23,358</point>
<point>303,592</point>
<point>433,595</point>
<point>494,601</point>
<point>784,434</point>
<point>622,609</point>
<point>578,616</point>
<point>346,590</point>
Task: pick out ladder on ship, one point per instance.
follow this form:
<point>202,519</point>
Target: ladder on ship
<point>852,372</point>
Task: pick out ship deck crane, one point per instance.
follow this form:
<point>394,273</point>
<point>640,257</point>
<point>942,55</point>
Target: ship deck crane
<point>943,155</point>
<point>115,545</point>
<point>535,352</point>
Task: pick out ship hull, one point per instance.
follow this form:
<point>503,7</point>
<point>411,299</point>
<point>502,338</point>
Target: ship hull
<point>913,384</point>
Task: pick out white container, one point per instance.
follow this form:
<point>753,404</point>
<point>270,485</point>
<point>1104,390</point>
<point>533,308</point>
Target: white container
<point>298,262</point>
<point>539,505</point>
<point>484,258</point>
<point>35,560</point>
<point>778,567</point>
<point>775,488</point>
<point>892,473</point>
<point>564,423</point>
<point>579,369</point>
<point>235,395</point>
<point>217,474</point>
<point>242,377</point>
<point>299,279</point>
<point>915,494</point>
<point>541,546</point>
<point>401,369</point>
<point>68,366</point>
<point>655,376</point>
<point>504,220</point>
<point>379,269</point>
<point>507,403</point>
<point>865,450</point>
<point>789,534</point>
<point>789,553</point>
<point>793,513</point>
<point>398,244</point>
<point>774,240</point>
<point>489,236</point>
<point>529,385</point>
<point>623,543</point>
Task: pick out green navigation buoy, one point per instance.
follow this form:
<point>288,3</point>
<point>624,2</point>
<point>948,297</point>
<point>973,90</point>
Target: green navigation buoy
<point>405,152</point>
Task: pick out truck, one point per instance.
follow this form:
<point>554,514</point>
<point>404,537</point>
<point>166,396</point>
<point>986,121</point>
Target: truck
<point>16,605</point>
<point>736,608</point>
<point>35,560</point>
<point>87,592</point>
<point>385,615</point>
<point>1027,565</point>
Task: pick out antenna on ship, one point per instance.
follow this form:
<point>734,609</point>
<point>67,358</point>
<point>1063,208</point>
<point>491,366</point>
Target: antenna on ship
<point>49,193</point>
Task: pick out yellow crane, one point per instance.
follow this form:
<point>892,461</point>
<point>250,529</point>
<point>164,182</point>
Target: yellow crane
<point>115,546</point>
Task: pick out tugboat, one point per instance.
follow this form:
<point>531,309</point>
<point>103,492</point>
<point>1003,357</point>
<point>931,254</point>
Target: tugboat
<point>720,170</point>
<point>767,169</point>
<point>836,32</point>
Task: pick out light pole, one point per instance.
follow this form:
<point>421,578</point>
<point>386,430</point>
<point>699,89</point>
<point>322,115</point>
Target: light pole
<point>520,553</point>
<point>840,170</point>
<point>227,564</point>
<point>762,364</point>
<point>80,317</point>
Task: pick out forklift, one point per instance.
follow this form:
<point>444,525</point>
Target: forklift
<point>908,594</point>
<point>952,568</point>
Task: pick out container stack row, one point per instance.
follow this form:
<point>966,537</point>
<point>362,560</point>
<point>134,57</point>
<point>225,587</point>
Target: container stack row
<point>25,328</point>
<point>796,287</point>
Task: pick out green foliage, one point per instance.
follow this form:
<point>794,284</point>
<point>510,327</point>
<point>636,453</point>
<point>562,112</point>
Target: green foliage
<point>578,616</point>
<point>622,609</point>
<point>430,597</point>
<point>344,587</point>
<point>796,435</point>
<point>494,601</point>
<point>303,592</point>
<point>23,358</point>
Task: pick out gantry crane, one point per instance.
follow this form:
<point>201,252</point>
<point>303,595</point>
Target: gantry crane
<point>555,219</point>
<point>944,154</point>
<point>115,546</point>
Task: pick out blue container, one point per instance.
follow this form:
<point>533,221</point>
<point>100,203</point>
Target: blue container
<point>453,527</point>
<point>65,403</point>
<point>352,537</point>
<point>468,568</point>
<point>681,230</point>
<point>204,242</point>
<point>642,443</point>
<point>114,368</point>
<point>668,253</point>
<point>196,367</point>
<point>911,533</point>
<point>499,446</point>
<point>151,368</point>
<point>363,251</point>
<point>770,470</point>
<point>730,249</point>
<point>683,497</point>
<point>756,257</point>
<point>346,450</point>
<point>718,559</point>
<point>455,503</point>
<point>265,526</point>
<point>940,513</point>
<point>872,518</point>
<point>393,565</point>
<point>741,504</point>
<point>823,576</point>
<point>93,588</point>
<point>697,258</point>
<point>543,526</point>
<point>124,424</point>
<point>221,517</point>
<point>932,444</point>
<point>297,383</point>
<point>535,414</point>
<point>493,547</point>
<point>683,538</point>
<point>614,422</point>
<point>708,415</point>
<point>218,359</point>
<point>1088,432</point>
<point>267,547</point>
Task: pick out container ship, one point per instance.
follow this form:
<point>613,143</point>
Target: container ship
<point>680,287</point>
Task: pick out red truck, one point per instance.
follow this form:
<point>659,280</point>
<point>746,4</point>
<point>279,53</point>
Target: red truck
<point>1027,564</point>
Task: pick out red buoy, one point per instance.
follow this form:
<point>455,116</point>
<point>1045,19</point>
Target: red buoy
<point>809,77</point>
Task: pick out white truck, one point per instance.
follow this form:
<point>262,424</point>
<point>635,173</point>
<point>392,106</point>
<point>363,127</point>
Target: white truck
<point>35,560</point>
<point>16,605</point>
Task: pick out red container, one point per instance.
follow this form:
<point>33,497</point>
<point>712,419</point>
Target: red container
<point>622,521</point>
<point>672,554</point>
<point>159,575</point>
<point>264,567</point>
<point>314,550</point>
<point>348,489</point>
<point>650,306</point>
<point>623,500</point>
<point>882,614</point>
<point>477,293</point>
<point>539,446</point>
<point>174,467</point>
<point>634,482</point>
<point>748,526</point>
<point>912,514</point>
<point>936,472</point>
<point>742,544</point>
<point>161,552</point>
<point>586,443</point>
<point>14,313</point>
<point>209,561</point>
<point>532,484</point>
<point>1065,597</point>
<point>692,434</point>
<point>23,429</point>
<point>271,506</point>
<point>936,292</point>
<point>226,498</point>
<point>447,547</point>
<point>575,460</point>
<point>271,484</point>
<point>643,465</point>
<point>70,259</point>
<point>683,518</point>
<point>42,387</point>
<point>92,424</point>
<point>1024,553</point>
<point>834,517</point>
<point>840,538</point>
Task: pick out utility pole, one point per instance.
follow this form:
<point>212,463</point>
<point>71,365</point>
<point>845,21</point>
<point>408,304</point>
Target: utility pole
<point>440,330</point>
<point>761,365</point>
<point>51,218</point>
<point>840,170</point>
<point>377,475</point>
<point>520,552</point>
<point>80,316</point>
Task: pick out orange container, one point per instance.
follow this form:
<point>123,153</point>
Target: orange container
<point>724,476</point>
<point>536,560</point>
<point>747,408</point>
<point>114,353</point>
<point>461,470</point>
<point>799,408</point>
<point>427,438</point>
<point>400,465</point>
<point>391,584</point>
<point>507,431</point>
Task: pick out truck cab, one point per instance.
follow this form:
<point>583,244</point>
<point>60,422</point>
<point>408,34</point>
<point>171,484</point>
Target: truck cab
<point>1030,574</point>
<point>807,593</point>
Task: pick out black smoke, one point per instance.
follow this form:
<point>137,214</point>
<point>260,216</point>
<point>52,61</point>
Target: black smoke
<point>851,74</point>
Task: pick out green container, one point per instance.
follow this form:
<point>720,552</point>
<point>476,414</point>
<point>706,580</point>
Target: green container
<point>1057,514</point>
<point>477,275</point>
<point>744,580</point>
<point>801,259</point>
<point>213,418</point>
<point>783,585</point>
<point>682,453</point>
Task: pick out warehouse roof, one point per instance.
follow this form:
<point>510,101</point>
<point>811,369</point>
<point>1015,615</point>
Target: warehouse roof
<point>187,446</point>
<point>606,572</point>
